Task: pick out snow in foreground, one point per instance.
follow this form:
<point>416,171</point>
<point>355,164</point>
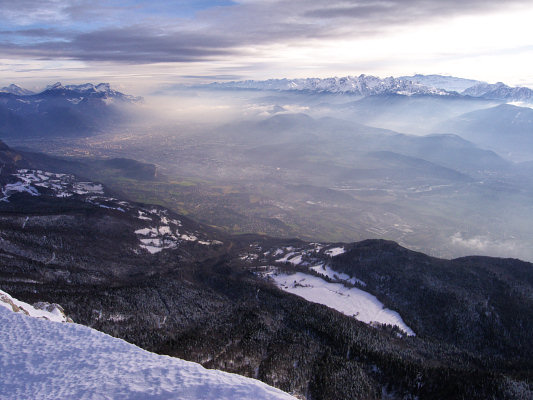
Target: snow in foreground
<point>348,300</point>
<point>48,360</point>
<point>51,312</point>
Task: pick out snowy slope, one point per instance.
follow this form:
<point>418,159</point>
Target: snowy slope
<point>160,232</point>
<point>348,300</point>
<point>332,288</point>
<point>51,312</point>
<point>16,90</point>
<point>47,360</point>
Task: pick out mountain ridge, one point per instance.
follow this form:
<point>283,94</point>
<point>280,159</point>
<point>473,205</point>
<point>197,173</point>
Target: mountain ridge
<point>368,85</point>
<point>71,110</point>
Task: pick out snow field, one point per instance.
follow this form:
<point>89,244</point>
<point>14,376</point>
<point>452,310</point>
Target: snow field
<point>350,301</point>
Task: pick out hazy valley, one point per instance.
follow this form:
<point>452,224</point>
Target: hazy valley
<point>320,165</point>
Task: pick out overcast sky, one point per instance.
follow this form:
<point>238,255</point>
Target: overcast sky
<point>144,45</point>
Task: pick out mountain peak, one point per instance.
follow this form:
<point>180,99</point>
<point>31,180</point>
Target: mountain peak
<point>500,91</point>
<point>103,87</point>
<point>16,90</point>
<point>55,86</point>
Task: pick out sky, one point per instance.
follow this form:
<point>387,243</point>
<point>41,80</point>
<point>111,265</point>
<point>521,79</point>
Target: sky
<point>143,46</point>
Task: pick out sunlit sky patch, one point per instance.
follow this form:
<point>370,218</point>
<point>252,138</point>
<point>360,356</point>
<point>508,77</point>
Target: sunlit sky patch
<point>166,43</point>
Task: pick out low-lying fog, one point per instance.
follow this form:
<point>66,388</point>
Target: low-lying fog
<point>333,167</point>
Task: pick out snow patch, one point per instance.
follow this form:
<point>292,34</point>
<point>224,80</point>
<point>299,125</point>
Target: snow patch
<point>143,216</point>
<point>350,301</point>
<point>337,276</point>
<point>151,249</point>
<point>335,251</point>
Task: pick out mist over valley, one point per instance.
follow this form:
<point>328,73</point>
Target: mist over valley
<point>324,165</point>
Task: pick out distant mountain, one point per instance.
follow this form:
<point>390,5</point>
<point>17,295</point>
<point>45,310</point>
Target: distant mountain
<point>417,114</point>
<point>288,139</point>
<point>89,90</point>
<point>72,110</point>
<point>367,85</point>
<point>450,151</point>
<point>448,83</point>
<point>506,129</point>
<point>500,91</point>
<point>17,90</point>
<point>362,85</point>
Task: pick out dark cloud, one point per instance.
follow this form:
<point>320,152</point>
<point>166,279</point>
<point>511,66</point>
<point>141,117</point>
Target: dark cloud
<point>141,45</point>
<point>38,33</point>
<point>123,32</point>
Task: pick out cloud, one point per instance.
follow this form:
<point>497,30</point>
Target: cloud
<point>187,31</point>
<point>485,244</point>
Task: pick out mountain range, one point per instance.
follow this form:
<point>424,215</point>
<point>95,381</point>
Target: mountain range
<point>506,128</point>
<point>71,110</point>
<point>367,85</point>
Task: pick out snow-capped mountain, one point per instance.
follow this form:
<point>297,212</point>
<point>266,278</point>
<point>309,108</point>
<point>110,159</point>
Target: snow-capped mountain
<point>47,360</point>
<point>448,83</point>
<point>70,110</point>
<point>16,90</point>
<point>367,85</point>
<point>89,90</point>
<point>362,85</point>
<point>500,91</point>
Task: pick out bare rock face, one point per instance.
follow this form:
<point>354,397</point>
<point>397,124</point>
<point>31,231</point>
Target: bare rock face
<point>7,301</point>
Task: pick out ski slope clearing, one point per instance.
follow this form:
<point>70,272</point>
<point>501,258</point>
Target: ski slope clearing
<point>348,300</point>
<point>47,360</point>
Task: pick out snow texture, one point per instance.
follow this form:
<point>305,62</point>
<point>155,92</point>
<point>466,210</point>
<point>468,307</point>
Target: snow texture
<point>335,251</point>
<point>45,360</point>
<point>51,312</point>
<point>153,239</point>
<point>348,300</point>
<point>337,276</point>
